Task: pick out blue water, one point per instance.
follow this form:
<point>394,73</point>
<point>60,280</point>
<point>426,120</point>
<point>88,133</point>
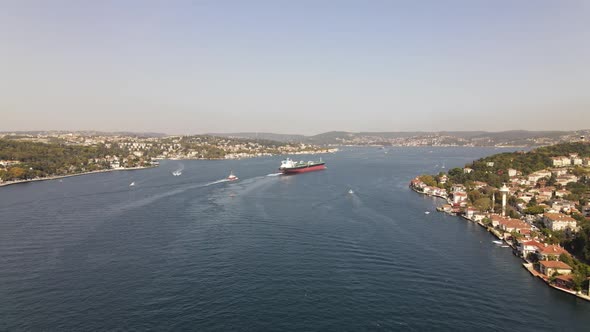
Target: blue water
<point>283,253</point>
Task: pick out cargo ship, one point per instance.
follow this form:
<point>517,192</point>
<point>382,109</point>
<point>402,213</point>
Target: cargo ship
<point>289,166</point>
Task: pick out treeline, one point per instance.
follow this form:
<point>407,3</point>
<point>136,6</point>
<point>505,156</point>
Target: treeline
<point>49,159</point>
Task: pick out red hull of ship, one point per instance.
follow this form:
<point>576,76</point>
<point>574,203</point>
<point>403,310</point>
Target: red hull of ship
<point>303,169</point>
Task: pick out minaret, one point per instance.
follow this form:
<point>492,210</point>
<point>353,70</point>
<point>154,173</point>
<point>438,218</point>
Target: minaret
<point>493,202</point>
<point>504,191</point>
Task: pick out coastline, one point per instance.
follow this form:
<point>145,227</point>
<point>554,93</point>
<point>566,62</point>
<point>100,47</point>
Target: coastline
<point>526,264</point>
<point>56,177</point>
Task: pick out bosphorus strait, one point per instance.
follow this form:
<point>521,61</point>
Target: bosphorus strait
<point>266,252</point>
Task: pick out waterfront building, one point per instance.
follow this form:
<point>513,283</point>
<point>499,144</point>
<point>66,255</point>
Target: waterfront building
<point>548,268</point>
<point>525,248</point>
<point>551,252</point>
<point>564,281</point>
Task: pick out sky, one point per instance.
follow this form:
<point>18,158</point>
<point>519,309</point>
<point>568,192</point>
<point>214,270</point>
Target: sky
<point>298,67</point>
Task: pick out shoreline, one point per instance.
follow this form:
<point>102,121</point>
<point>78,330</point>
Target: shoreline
<point>526,264</point>
<point>56,177</point>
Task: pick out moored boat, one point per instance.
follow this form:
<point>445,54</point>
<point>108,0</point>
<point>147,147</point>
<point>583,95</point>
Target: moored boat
<point>289,166</point>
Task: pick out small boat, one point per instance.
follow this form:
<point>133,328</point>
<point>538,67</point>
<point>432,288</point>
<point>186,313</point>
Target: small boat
<point>350,191</point>
<point>498,242</point>
<point>232,177</point>
<point>177,173</point>
<point>427,212</point>
<point>132,184</point>
<point>505,246</point>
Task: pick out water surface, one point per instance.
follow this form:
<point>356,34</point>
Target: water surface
<point>267,252</point>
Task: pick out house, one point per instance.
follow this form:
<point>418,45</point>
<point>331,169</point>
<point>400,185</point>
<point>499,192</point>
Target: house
<point>6,163</point>
<point>458,188</point>
<point>478,216</point>
<point>470,212</point>
<point>566,178</point>
<point>538,175</point>
<point>586,162</point>
<point>443,179</point>
<point>586,210</point>
<point>547,191</point>
<point>550,252</point>
<point>525,248</point>
<point>557,162</point>
<point>575,159</point>
<point>526,197</point>
<point>467,170</point>
<point>562,205</point>
<point>446,208</point>
<point>490,164</point>
<point>549,268</point>
<point>558,171</point>
<point>510,225</point>
<point>564,281</point>
<point>479,185</point>
<point>559,222</point>
<point>512,172</point>
<point>459,197</point>
<point>562,193</point>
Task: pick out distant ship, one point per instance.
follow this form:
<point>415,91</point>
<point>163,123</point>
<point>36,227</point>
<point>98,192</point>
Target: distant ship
<point>232,177</point>
<point>132,184</point>
<point>289,166</point>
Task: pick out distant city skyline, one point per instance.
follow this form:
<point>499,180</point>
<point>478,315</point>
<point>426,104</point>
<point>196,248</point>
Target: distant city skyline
<point>306,67</point>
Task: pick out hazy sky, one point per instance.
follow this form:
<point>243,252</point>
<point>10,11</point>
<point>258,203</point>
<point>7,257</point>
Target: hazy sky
<point>294,66</point>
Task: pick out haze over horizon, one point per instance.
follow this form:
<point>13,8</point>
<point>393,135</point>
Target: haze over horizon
<point>185,67</point>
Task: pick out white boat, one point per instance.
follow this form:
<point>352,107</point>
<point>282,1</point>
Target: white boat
<point>498,242</point>
<point>350,191</point>
<point>427,212</point>
<point>132,184</point>
<point>177,173</point>
<point>232,177</point>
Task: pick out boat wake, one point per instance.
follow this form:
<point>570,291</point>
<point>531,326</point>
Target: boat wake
<point>274,174</point>
<point>215,182</point>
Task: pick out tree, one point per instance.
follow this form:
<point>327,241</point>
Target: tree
<point>532,202</point>
<point>483,204</point>
<point>428,180</point>
<point>534,210</point>
<point>16,173</point>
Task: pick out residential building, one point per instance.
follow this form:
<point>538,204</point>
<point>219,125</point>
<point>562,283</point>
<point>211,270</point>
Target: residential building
<point>551,252</point>
<point>564,281</point>
<point>525,248</point>
<point>558,171</point>
<point>458,188</point>
<point>575,159</point>
<point>566,178</point>
<point>549,268</point>
<point>509,225</point>
<point>559,222</point>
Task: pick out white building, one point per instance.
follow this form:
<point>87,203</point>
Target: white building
<point>559,222</point>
